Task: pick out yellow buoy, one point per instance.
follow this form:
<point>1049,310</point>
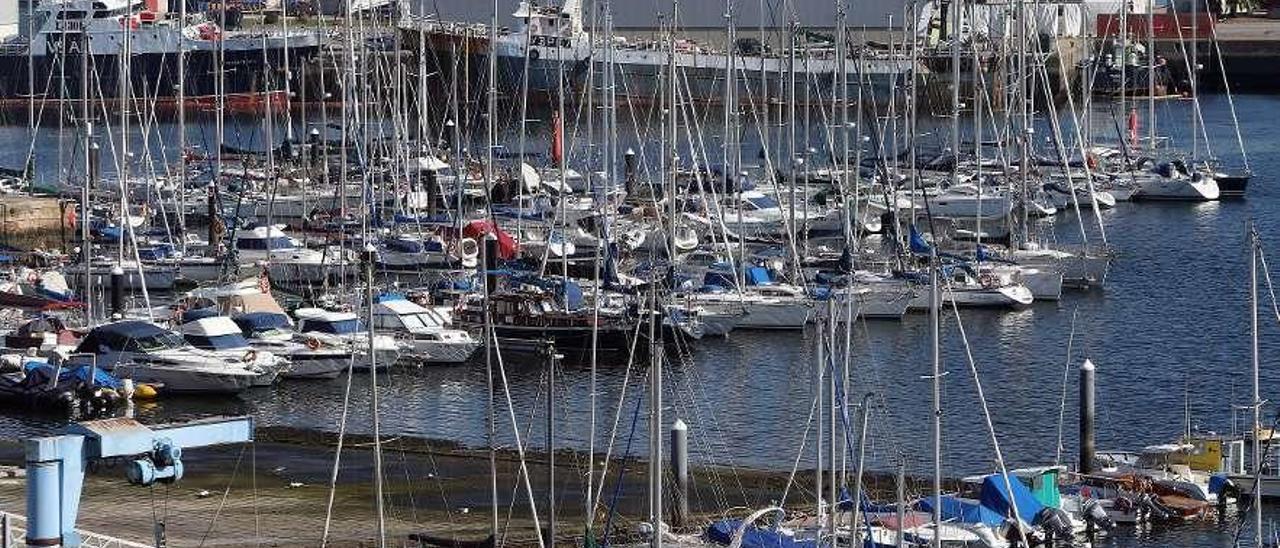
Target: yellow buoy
<point>144,392</point>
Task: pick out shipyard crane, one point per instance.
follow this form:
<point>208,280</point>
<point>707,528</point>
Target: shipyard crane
<point>56,464</point>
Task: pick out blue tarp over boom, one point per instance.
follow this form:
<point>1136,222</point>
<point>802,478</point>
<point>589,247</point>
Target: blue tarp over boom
<point>918,245</point>
<point>996,496</point>
<point>721,532</point>
<point>954,509</point>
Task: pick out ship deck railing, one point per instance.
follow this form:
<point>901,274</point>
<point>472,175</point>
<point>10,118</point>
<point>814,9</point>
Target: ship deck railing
<point>13,529</point>
<point>17,45</point>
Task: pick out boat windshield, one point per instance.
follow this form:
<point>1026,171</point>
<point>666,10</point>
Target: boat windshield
<point>157,341</point>
<point>763,202</point>
<point>276,243</point>
<point>340,327</point>
<point>230,341</point>
<point>412,321</point>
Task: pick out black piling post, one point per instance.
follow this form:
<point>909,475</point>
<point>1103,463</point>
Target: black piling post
<point>117,291</point>
<point>1087,415</point>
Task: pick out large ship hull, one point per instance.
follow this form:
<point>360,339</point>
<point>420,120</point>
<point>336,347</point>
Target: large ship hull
<point>52,81</point>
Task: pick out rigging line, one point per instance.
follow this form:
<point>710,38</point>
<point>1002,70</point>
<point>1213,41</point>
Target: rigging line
<point>986,414</point>
<point>1266,274</point>
<point>534,406</point>
<point>337,455</point>
<point>226,491</point>
<point>253,486</point>
<point>1066,371</point>
<point>617,416</point>
<point>795,466</point>
<point>511,414</point>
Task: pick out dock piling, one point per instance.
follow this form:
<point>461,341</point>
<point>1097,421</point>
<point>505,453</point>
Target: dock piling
<point>680,466</point>
<point>1087,415</point>
<point>117,291</point>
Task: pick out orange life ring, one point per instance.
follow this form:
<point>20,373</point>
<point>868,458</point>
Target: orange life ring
<point>313,343</point>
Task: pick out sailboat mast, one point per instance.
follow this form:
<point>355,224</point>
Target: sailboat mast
<point>486,264</point>
<point>182,123</point>
<point>1193,68</point>
<point>1257,396</point>
<point>126,51</point>
<point>819,382</point>
<point>1151,78</point>
<point>672,137</point>
<point>90,165</point>
<point>936,353</point>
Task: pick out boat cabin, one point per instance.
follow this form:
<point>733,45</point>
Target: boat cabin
<point>332,323</point>
<point>214,333</point>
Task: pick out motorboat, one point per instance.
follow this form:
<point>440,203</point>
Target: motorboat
<point>345,329</point>
<point>309,358</point>
<point>423,331</point>
<point>148,353</point>
<point>225,339</point>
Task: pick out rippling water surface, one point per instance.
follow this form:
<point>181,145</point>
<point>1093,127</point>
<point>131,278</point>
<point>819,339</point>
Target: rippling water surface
<point>1169,334</point>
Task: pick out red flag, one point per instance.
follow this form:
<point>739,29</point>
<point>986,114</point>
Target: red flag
<point>1133,125</point>
<point>557,139</point>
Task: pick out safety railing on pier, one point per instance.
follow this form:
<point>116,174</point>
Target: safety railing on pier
<point>13,532</point>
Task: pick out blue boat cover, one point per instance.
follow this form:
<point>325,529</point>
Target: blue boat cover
<point>718,279</point>
<point>79,373</point>
<point>388,297</point>
<point>131,329</point>
<point>199,314</point>
<point>1218,483</point>
<point>721,532</point>
<point>572,293</point>
<point>962,511</point>
<point>758,275</point>
<point>996,496</point>
<point>918,245</point>
<point>260,321</point>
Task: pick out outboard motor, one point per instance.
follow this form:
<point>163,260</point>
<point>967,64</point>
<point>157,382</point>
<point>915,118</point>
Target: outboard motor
<point>1153,510</point>
<point>1094,514</point>
<point>1055,522</point>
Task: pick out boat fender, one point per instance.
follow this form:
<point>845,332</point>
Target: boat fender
<point>144,392</point>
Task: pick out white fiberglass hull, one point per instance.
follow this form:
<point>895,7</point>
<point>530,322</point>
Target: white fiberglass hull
<point>761,315</point>
<point>439,351</point>
<point>1177,189</point>
<point>1045,283</point>
<point>188,381</point>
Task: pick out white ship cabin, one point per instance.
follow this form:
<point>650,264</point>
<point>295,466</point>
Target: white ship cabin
<point>549,25</point>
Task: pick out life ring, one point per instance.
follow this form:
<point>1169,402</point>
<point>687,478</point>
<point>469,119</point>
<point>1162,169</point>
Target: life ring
<point>468,248</point>
<point>250,356</point>
<point>33,277</point>
<point>534,54</point>
<point>313,343</point>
